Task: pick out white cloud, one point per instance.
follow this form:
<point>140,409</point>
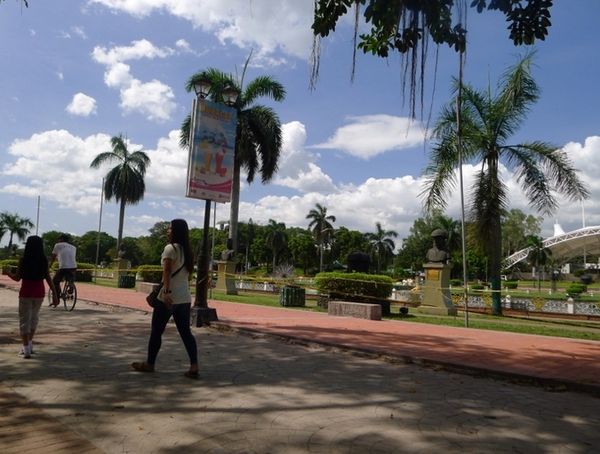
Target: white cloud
<point>50,162</point>
<point>82,105</point>
<point>297,167</point>
<point>270,27</point>
<point>370,135</point>
<point>137,50</point>
<point>79,31</point>
<point>153,99</point>
<point>60,75</point>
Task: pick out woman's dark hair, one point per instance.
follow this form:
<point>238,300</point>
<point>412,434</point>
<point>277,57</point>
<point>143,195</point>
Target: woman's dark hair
<point>34,264</point>
<point>181,234</point>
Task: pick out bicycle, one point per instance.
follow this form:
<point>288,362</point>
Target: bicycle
<point>68,294</point>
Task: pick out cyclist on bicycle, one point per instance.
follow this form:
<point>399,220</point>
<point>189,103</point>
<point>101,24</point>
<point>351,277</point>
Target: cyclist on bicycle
<point>67,264</point>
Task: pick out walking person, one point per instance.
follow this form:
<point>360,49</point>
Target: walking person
<point>66,254</point>
<point>32,271</point>
<point>175,299</point>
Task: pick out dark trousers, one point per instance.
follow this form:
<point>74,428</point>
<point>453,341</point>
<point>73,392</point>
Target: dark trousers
<point>63,273</point>
<point>160,317</point>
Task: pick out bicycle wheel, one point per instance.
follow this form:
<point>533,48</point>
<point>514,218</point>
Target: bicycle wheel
<point>69,296</point>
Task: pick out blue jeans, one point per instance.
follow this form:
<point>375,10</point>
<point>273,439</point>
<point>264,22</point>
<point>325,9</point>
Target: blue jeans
<point>160,317</point>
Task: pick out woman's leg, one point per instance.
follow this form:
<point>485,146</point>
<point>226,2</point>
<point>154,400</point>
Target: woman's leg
<point>181,315</point>
<point>160,317</point>
<point>25,310</point>
<point>35,318</point>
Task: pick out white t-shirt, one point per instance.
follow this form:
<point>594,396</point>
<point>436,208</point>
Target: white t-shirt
<point>65,253</point>
<point>180,287</point>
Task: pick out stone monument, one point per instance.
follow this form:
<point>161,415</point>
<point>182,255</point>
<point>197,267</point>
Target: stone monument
<point>436,290</point>
<point>226,273</point>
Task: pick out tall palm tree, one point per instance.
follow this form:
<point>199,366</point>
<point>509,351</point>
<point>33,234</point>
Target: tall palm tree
<point>538,256</point>
<point>15,225</point>
<point>487,123</point>
<point>382,244</point>
<point>322,228</point>
<point>258,134</point>
<point>125,181</point>
<point>276,239</point>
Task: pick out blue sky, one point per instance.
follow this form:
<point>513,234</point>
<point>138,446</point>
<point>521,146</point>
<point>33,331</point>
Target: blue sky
<point>76,73</point>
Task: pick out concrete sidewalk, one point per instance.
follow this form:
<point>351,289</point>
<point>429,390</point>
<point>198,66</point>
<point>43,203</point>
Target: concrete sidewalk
<point>256,395</point>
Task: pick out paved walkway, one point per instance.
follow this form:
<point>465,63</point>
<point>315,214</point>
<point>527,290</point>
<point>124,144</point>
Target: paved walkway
<point>549,360</point>
<point>259,395</point>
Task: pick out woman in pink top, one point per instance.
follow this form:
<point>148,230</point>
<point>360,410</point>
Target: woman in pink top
<point>32,271</point>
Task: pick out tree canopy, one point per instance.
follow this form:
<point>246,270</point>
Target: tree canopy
<point>407,26</point>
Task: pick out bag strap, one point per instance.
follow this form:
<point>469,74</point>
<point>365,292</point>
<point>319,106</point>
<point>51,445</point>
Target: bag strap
<point>180,268</point>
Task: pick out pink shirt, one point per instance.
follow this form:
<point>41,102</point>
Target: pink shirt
<point>32,289</point>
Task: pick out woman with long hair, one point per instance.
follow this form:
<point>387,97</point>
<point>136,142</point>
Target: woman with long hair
<point>32,272</point>
<point>175,298</point>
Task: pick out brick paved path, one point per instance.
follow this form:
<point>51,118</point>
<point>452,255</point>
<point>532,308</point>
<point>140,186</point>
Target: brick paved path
<point>257,395</point>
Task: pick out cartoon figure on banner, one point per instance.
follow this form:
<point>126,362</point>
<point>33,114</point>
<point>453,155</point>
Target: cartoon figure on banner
<point>220,155</point>
<point>206,149</point>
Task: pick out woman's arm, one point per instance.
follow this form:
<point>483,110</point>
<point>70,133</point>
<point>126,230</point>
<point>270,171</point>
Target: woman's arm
<point>50,283</point>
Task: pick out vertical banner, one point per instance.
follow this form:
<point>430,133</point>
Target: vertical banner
<point>212,148</point>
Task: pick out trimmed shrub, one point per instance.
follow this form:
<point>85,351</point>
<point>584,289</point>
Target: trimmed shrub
<point>357,287</point>
<point>150,273</point>
<point>456,282</point>
<point>511,285</point>
<point>576,289</point>
<point>11,264</point>
<point>477,286</point>
<point>84,273</point>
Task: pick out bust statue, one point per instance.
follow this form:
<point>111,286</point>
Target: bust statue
<point>438,253</point>
<point>227,255</point>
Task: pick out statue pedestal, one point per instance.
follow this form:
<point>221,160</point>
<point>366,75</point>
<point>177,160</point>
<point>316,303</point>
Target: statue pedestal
<point>436,291</point>
<point>225,277</point>
<point>122,265</point>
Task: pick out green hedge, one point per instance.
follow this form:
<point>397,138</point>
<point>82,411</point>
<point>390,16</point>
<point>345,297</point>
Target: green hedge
<point>9,264</point>
<point>575,289</point>
<point>477,286</point>
<point>456,282</point>
<point>150,273</point>
<point>511,285</point>
<point>355,286</point>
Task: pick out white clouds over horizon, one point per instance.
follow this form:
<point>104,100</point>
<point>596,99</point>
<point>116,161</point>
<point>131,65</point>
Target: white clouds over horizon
<point>370,135</point>
<point>48,162</point>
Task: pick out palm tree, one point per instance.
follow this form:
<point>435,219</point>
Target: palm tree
<point>322,228</point>
<point>15,225</point>
<point>276,239</point>
<point>125,181</point>
<point>382,243</point>
<point>487,122</point>
<point>538,256</point>
<point>258,135</point>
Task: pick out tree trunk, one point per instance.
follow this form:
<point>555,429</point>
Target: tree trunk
<point>235,206</point>
<point>495,264</point>
<point>121,222</point>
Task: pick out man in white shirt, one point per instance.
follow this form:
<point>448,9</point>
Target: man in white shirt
<point>67,264</point>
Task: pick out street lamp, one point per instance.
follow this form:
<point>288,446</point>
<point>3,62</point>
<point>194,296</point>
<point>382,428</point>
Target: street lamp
<point>204,314</point>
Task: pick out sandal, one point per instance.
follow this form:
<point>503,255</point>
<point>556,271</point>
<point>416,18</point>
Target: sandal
<point>142,367</point>
<point>193,374</point>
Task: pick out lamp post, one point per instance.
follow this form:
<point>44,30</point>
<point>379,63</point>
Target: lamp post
<point>204,314</point>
